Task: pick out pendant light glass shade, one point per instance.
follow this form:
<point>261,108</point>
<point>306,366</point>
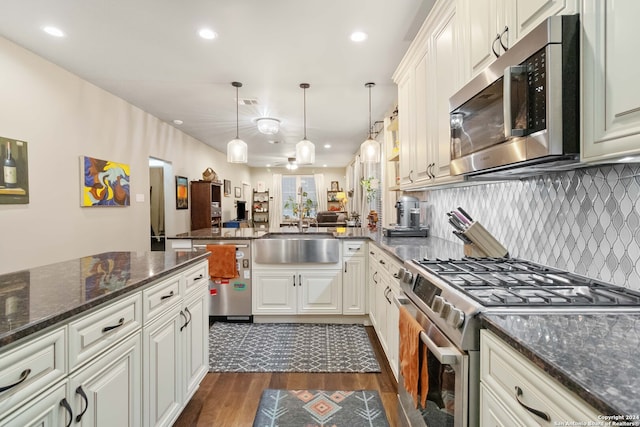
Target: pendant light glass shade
<point>268,125</point>
<point>370,149</point>
<point>305,149</point>
<point>237,150</point>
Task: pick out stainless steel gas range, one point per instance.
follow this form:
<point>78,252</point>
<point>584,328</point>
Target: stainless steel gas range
<point>446,296</point>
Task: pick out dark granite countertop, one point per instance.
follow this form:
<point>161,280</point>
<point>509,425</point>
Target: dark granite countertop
<point>594,355</point>
<point>36,298</point>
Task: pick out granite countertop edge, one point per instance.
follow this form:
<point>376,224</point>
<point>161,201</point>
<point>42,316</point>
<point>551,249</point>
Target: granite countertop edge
<point>41,324</point>
<point>556,372</point>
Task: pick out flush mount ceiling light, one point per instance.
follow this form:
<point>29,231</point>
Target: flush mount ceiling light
<point>358,36</point>
<point>305,150</point>
<point>207,34</point>
<point>237,148</point>
<point>53,31</point>
<point>370,149</point>
<point>268,125</point>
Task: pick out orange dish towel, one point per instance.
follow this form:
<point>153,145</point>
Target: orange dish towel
<point>413,358</point>
<point>222,262</point>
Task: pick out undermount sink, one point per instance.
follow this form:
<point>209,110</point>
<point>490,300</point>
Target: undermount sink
<point>296,248</point>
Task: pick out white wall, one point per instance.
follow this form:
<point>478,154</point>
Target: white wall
<point>63,117</point>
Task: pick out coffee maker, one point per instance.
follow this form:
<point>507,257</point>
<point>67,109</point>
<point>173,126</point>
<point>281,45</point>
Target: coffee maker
<point>407,219</point>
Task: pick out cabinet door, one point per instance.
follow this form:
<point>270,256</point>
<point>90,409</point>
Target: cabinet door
<point>422,158</point>
<point>196,341</point>
<point>274,292</point>
<point>381,310</point>
<point>406,125</point>
<point>527,14</point>
<point>611,96</point>
<point>444,66</point>
<point>42,411</point>
<point>373,281</point>
<point>482,28</point>
<point>162,372</point>
<point>320,291</point>
<point>354,286</point>
<point>393,318</point>
<point>107,392</point>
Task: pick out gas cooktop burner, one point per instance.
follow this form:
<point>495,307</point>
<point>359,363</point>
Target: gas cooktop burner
<point>507,282</point>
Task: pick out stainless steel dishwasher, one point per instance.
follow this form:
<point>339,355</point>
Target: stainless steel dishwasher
<point>231,298</point>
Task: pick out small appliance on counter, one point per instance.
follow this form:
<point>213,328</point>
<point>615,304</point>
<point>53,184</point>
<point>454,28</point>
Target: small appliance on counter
<point>407,219</point>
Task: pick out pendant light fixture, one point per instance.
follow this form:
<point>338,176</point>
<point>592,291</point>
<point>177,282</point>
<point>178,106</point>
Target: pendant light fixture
<point>305,150</point>
<point>237,148</point>
<point>370,149</point>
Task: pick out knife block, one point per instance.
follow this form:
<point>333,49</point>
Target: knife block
<point>483,243</point>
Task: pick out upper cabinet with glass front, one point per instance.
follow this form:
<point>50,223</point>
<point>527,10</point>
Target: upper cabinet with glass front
<point>611,92</point>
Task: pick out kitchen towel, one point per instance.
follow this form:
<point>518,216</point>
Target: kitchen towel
<point>222,262</point>
<point>413,358</point>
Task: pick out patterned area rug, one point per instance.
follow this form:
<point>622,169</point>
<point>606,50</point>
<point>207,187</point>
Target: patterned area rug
<point>290,347</point>
<point>297,408</point>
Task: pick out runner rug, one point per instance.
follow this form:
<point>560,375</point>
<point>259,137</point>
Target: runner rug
<point>296,408</point>
<point>290,347</point>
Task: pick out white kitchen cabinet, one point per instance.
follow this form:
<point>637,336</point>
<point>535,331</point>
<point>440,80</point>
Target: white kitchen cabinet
<point>107,391</point>
<point>45,410</point>
<point>611,94</point>
<point>490,26</point>
<point>196,341</point>
<point>373,281</point>
<point>354,274</point>
<point>512,381</point>
<point>297,291</point>
<point>427,76</point>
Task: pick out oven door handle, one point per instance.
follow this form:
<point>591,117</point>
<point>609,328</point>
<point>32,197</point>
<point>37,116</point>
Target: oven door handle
<point>446,355</point>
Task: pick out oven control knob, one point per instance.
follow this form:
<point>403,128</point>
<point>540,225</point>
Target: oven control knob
<point>408,277</point>
<point>446,310</point>
<point>457,318</point>
<point>437,304</point>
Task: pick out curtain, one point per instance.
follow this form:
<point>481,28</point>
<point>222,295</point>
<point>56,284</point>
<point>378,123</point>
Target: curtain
<point>321,192</point>
<point>275,207</point>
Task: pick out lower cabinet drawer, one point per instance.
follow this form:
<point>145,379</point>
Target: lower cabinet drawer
<point>29,368</point>
<point>157,298</point>
<point>93,333</point>
<point>196,276</point>
<point>534,396</point>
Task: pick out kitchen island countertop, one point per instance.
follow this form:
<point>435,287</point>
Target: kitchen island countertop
<point>39,297</point>
<point>595,355</point>
<point>403,248</point>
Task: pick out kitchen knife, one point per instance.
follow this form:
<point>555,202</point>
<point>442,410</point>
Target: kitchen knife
<point>462,237</point>
<point>456,224</point>
<point>466,215</point>
<point>463,219</point>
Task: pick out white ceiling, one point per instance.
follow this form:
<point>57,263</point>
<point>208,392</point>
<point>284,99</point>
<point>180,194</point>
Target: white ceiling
<point>148,52</point>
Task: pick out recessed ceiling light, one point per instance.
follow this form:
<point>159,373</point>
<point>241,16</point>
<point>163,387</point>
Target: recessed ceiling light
<point>324,166</point>
<point>207,33</point>
<point>177,122</point>
<point>268,165</point>
<point>327,145</point>
<point>53,31</point>
<point>358,36</point>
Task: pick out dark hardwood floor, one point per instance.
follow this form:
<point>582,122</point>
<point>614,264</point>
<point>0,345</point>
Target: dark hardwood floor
<point>231,399</point>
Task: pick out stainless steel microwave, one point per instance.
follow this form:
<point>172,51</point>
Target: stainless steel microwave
<point>523,110</point>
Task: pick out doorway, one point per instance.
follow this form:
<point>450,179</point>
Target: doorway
<point>159,172</point>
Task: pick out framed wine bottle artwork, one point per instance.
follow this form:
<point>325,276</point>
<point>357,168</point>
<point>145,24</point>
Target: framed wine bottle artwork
<point>14,180</point>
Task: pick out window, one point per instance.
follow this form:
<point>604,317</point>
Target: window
<point>290,186</point>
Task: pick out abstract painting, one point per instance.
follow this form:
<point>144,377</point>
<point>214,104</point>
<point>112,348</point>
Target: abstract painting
<point>182,192</point>
<point>105,183</point>
<point>14,179</point>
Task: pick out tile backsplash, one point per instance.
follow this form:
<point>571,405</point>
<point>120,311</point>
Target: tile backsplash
<point>585,220</point>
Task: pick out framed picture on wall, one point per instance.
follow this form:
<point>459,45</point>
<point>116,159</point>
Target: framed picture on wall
<point>227,187</point>
<point>182,192</point>
<point>238,192</point>
<point>335,186</point>
<point>14,180</point>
